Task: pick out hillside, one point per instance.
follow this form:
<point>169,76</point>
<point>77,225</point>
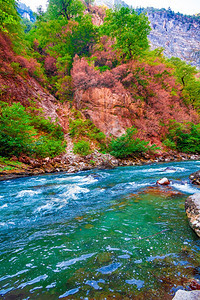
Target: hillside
<point>177,34</point>
<point>77,83</point>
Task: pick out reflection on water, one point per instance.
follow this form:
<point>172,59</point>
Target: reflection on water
<point>98,234</point>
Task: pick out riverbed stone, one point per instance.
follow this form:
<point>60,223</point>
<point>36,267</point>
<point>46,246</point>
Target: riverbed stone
<point>163,181</point>
<point>195,177</point>
<point>192,208</point>
<point>187,295</point>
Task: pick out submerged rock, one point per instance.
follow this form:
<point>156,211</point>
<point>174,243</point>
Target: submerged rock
<point>163,181</point>
<point>195,177</point>
<point>192,208</point>
<point>187,295</point>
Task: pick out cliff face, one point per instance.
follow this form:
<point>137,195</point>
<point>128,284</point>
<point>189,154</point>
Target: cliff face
<point>179,35</point>
<point>25,12</point>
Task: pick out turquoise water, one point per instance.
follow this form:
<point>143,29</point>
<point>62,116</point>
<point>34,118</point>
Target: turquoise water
<point>101,234</point>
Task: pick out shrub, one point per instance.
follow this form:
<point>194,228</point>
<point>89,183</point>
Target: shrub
<point>16,133</point>
<point>45,125</point>
<point>184,137</point>
<point>82,147</point>
<point>126,145</point>
<point>80,127</point>
<point>46,146</point>
<point>19,130</point>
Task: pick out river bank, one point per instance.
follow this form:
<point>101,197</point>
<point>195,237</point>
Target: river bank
<point>25,166</point>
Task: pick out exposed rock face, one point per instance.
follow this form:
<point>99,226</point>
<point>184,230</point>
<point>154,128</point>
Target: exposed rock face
<point>195,177</point>
<point>192,208</point>
<point>109,112</point>
<point>178,34</point>
<point>111,3</point>
<point>25,12</point>
<point>187,295</point>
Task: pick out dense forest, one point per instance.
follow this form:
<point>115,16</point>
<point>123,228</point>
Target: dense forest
<point>75,48</point>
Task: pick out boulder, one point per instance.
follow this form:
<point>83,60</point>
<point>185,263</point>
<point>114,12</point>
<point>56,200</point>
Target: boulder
<point>195,177</point>
<point>163,181</point>
<point>187,295</point>
<point>192,208</point>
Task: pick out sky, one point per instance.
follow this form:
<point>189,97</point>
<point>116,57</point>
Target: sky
<point>188,7</point>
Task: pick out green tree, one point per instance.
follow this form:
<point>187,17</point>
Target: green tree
<point>9,18</point>
<point>65,8</point>
<point>83,36</point>
<point>185,74</point>
<point>129,29</point>
<point>10,23</point>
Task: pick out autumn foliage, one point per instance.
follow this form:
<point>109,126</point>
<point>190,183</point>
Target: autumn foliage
<point>154,95</point>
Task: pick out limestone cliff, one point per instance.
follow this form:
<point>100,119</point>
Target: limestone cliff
<point>179,35</point>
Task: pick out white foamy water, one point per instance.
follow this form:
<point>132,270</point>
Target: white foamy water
<point>6,224</point>
<point>54,203</point>
<point>165,170</point>
<point>186,188</point>
<point>27,193</point>
<point>79,179</point>
<point>69,178</point>
<point>4,206</point>
<point>73,190</point>
<point>138,185</point>
<point>47,206</point>
<point>88,180</point>
<point>1,197</point>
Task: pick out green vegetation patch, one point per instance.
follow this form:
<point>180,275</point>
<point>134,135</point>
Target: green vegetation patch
<point>82,148</point>
<point>23,132</point>
<point>184,137</point>
<point>80,128</point>
<point>129,146</point>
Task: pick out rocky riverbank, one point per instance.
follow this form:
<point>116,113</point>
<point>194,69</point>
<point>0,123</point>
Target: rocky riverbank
<point>26,166</point>
<point>192,208</point>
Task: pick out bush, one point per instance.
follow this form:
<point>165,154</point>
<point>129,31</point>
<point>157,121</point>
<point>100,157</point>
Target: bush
<point>184,137</point>
<point>85,128</point>
<point>45,125</point>
<point>19,130</point>
<point>16,133</point>
<point>126,145</point>
<point>82,147</point>
<point>46,146</point>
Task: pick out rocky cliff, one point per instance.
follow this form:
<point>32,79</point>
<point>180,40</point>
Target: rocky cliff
<point>179,35</point>
<point>25,12</point>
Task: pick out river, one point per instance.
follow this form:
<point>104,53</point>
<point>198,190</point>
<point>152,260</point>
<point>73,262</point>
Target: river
<point>98,234</point>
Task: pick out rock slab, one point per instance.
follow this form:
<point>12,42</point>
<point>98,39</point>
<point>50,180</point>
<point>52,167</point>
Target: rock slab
<point>195,177</point>
<point>192,208</point>
<point>187,295</point>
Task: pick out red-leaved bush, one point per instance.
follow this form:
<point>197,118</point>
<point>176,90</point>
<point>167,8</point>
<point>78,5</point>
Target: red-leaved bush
<point>50,65</point>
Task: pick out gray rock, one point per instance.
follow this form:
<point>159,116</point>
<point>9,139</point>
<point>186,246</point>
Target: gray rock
<point>195,177</point>
<point>192,208</point>
<point>185,295</point>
